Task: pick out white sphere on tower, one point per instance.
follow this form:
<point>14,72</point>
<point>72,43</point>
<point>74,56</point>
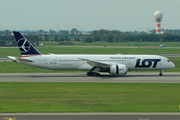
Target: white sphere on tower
<point>158,16</point>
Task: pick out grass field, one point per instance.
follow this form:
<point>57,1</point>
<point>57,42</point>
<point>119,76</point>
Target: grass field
<point>136,44</point>
<point>89,97</point>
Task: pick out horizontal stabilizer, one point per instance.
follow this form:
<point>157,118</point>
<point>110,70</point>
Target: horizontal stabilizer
<point>15,59</point>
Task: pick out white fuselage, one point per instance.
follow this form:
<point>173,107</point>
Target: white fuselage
<point>75,62</point>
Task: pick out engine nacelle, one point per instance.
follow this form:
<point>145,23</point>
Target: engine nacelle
<point>119,69</point>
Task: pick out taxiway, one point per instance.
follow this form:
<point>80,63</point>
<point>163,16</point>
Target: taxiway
<point>90,116</point>
<point>131,77</point>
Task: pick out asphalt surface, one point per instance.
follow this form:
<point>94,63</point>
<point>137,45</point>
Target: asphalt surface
<point>170,55</point>
<point>131,77</point>
<point>5,60</point>
<point>90,116</point>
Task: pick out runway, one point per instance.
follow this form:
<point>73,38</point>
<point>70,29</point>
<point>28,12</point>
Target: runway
<point>90,116</point>
<point>131,77</point>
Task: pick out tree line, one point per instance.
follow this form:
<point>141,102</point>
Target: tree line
<point>118,36</point>
<point>102,35</point>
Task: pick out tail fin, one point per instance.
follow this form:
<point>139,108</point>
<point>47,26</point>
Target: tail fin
<point>25,47</point>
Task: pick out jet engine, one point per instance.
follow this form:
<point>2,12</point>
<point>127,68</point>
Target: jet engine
<point>119,69</point>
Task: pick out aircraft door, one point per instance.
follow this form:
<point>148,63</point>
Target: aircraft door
<point>43,62</point>
<point>46,62</point>
<point>129,63</point>
<point>161,63</point>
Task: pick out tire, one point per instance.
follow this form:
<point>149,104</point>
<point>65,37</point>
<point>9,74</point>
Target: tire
<point>160,74</point>
<point>98,74</point>
<point>89,73</point>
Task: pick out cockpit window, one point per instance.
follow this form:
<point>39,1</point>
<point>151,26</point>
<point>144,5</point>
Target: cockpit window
<point>168,61</point>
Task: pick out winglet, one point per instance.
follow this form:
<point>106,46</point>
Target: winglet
<point>25,47</point>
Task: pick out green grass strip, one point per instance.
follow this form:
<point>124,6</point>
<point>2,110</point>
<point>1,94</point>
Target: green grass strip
<point>4,52</point>
<point>89,97</point>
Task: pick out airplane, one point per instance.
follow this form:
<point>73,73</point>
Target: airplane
<point>113,64</point>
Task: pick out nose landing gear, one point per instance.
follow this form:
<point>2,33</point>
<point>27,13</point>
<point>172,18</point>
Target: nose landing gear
<point>161,74</point>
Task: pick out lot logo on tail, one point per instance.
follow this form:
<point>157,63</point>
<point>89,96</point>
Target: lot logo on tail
<point>24,45</point>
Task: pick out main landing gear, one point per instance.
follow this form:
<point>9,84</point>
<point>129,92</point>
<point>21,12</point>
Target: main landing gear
<point>93,74</point>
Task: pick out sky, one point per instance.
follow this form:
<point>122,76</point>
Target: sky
<point>88,15</point>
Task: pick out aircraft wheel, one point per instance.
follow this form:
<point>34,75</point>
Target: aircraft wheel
<point>93,74</point>
<point>89,73</point>
<point>98,74</point>
<point>160,74</point>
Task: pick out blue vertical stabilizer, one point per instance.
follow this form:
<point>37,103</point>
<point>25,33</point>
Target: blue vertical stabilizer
<point>25,47</point>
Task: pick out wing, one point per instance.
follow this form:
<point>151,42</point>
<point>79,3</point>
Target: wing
<point>94,63</point>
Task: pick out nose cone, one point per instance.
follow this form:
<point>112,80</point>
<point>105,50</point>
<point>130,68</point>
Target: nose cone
<point>172,65</point>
